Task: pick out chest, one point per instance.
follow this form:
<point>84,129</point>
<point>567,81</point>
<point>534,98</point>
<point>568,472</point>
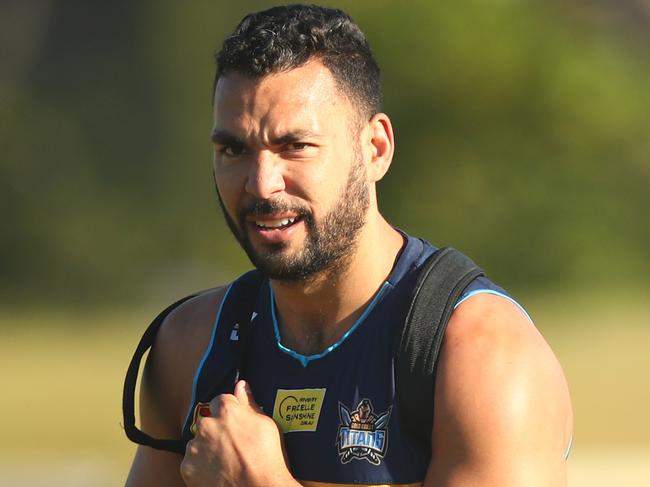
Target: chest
<point>337,409</point>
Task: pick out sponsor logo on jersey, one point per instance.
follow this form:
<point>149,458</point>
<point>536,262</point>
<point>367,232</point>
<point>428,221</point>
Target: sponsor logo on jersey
<point>298,409</point>
<point>202,409</point>
<point>362,434</point>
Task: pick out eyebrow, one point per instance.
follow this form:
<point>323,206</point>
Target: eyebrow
<point>293,136</point>
<point>223,137</point>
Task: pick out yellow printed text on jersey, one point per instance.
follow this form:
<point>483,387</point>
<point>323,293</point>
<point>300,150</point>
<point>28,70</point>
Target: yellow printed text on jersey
<point>298,409</point>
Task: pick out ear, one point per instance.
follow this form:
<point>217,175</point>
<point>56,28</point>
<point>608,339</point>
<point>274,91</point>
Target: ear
<point>381,145</point>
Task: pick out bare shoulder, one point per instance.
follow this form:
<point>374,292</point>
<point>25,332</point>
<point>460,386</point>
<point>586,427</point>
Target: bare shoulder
<point>502,404</point>
<point>181,342</point>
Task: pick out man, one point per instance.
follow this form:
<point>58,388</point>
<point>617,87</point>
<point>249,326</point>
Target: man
<point>299,144</point>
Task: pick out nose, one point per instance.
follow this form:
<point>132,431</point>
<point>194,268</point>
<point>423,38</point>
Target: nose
<point>265,176</point>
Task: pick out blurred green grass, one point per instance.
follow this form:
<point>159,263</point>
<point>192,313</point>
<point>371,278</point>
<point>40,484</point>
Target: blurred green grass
<point>61,410</point>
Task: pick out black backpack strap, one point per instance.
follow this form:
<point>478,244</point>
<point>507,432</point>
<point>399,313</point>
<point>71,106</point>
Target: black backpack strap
<point>130,381</point>
<point>439,284</point>
<point>246,290</point>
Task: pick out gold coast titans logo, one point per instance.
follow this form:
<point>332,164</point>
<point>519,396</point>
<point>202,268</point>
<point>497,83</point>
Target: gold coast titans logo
<point>362,433</point>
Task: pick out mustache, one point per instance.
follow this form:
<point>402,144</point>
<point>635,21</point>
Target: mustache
<point>269,207</point>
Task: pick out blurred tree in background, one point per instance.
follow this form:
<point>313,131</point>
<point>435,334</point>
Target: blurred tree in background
<point>523,138</point>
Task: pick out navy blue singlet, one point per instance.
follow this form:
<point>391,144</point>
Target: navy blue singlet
<point>337,408</point>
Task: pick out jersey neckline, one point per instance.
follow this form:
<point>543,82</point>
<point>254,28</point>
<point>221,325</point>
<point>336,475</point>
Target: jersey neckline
<point>410,252</point>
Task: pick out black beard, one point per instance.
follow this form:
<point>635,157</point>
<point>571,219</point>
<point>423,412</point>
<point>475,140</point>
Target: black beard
<point>329,244</point>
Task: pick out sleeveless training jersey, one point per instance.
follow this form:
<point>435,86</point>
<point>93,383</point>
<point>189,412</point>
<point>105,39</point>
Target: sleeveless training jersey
<point>338,408</point>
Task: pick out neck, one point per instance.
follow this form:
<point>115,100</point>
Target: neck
<point>315,313</point>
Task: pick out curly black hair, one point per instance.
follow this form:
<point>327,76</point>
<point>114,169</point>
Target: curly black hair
<point>283,38</point>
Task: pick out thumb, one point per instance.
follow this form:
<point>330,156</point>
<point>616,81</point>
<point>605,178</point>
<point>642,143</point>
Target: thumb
<point>244,394</point>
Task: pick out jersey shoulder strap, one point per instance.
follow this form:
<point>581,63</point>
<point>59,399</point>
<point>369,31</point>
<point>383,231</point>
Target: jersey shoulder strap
<point>243,294</point>
<point>438,286</point>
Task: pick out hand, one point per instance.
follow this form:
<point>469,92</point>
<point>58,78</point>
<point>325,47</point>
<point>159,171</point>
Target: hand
<point>237,445</point>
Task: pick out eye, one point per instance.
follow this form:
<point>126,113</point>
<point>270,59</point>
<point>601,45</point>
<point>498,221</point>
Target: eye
<point>298,146</point>
<point>231,150</point>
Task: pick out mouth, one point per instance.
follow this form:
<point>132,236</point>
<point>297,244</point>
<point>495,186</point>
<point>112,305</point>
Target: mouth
<point>276,224</point>
<point>274,229</point>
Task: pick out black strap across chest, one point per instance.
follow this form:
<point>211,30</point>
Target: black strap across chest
<point>439,284</point>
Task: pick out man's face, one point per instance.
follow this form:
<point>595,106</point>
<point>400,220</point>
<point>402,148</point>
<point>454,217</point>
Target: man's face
<point>289,170</point>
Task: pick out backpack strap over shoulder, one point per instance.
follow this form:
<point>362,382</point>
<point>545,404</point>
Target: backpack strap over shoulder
<point>439,285</point>
<point>245,290</point>
<point>130,381</point>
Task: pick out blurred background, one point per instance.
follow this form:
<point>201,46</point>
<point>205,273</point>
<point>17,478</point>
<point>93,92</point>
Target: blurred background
<point>523,138</point>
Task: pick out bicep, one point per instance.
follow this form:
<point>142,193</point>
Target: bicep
<point>155,468</point>
<point>501,406</point>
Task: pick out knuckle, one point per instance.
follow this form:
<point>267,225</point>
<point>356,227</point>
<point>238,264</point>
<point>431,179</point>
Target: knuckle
<point>216,403</point>
<point>190,449</point>
<point>203,427</point>
<point>221,404</point>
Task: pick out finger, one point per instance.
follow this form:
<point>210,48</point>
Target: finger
<point>188,465</point>
<point>191,448</point>
<point>244,394</point>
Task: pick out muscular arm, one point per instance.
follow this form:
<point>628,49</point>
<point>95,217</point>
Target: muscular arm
<point>502,409</point>
<point>166,388</point>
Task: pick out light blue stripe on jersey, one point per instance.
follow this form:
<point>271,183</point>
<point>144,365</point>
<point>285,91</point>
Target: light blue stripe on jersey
<point>305,359</point>
<point>468,295</point>
<point>205,356</point>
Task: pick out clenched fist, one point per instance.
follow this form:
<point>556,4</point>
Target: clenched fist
<point>236,446</point>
